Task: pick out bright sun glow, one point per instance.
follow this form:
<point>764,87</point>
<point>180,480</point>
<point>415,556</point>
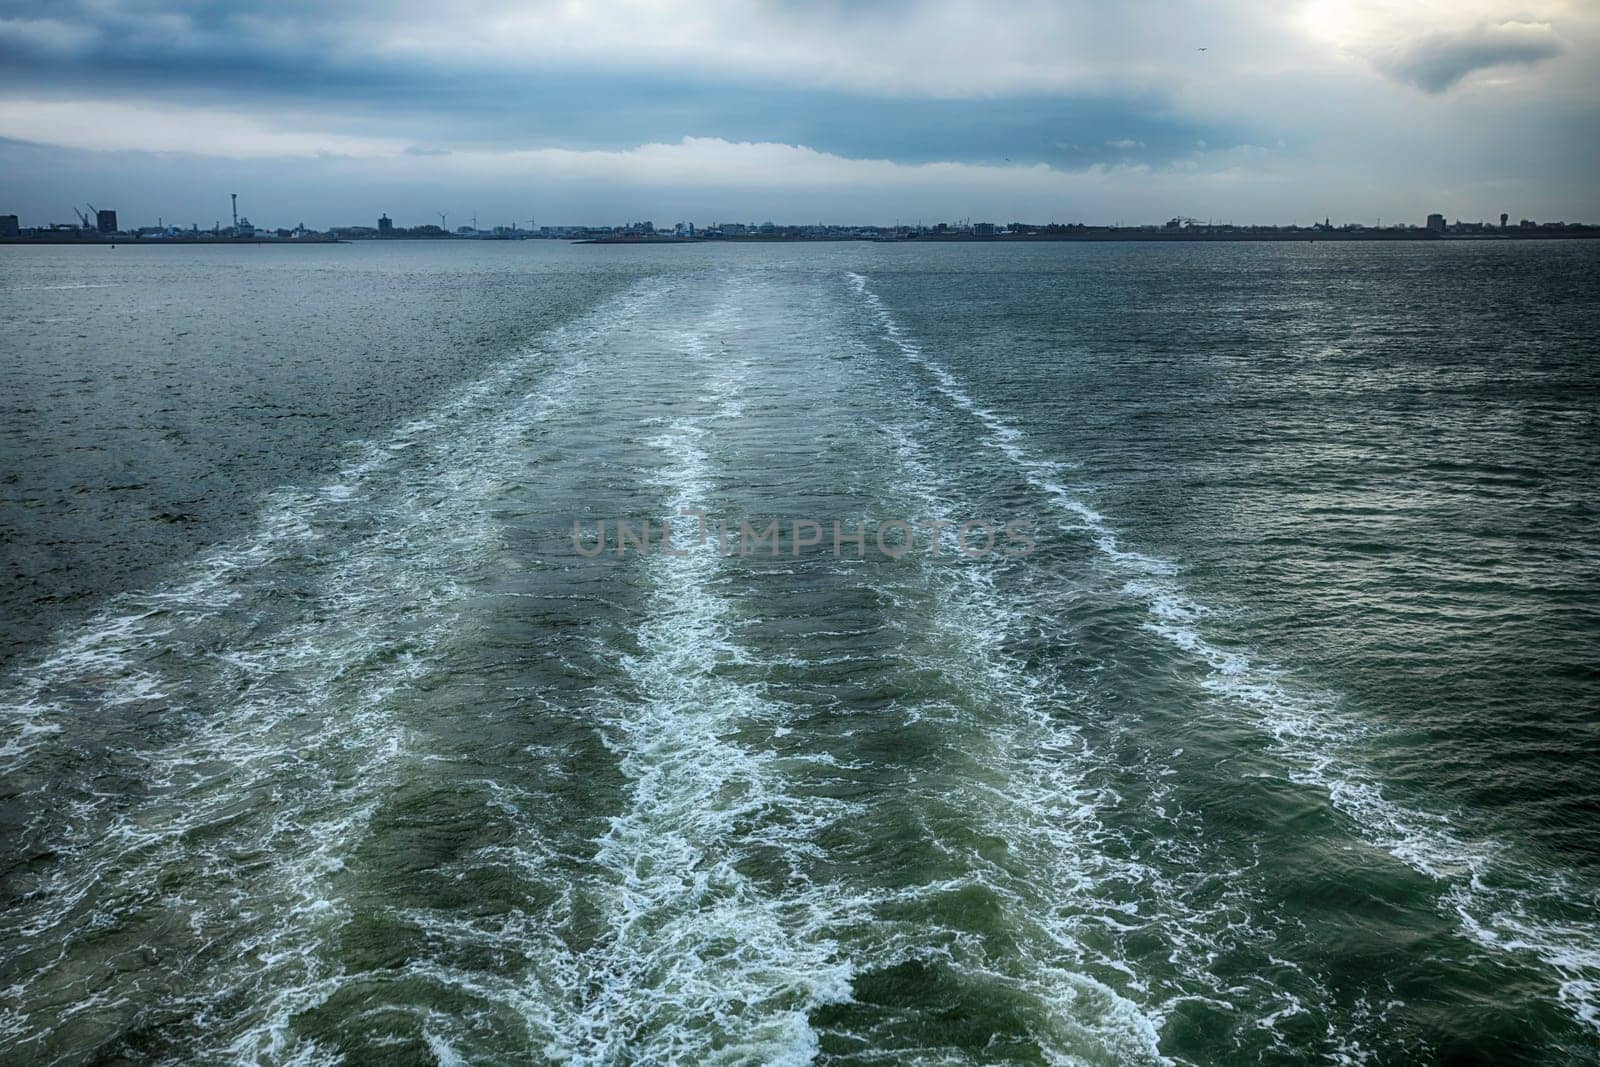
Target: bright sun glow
<point>1364,24</point>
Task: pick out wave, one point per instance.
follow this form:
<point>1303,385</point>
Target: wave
<point>237,728</point>
<point>42,288</point>
<point>1500,900</point>
<point>700,960</point>
<point>1059,876</point>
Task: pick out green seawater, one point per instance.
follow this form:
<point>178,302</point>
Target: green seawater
<point>323,741</point>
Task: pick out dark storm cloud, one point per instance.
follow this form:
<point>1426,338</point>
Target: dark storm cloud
<point>294,56</point>
<point>1439,62</point>
<point>783,108</point>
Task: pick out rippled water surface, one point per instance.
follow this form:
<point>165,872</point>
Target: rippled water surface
<point>321,741</point>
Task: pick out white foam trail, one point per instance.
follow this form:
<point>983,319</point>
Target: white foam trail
<point>1046,809</point>
<point>289,740</point>
<point>100,657</point>
<point>700,963</point>
<point>1313,739</point>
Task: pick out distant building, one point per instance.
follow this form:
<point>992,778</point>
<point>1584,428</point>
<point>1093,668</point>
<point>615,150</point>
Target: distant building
<point>983,229</point>
<point>385,225</point>
<point>1436,223</point>
<point>1504,218</point>
<point>9,226</point>
<point>105,221</point>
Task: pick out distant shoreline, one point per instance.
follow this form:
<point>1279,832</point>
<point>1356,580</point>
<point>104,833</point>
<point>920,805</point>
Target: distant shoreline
<point>1104,236</point>
<point>51,239</point>
<point>1101,236</point>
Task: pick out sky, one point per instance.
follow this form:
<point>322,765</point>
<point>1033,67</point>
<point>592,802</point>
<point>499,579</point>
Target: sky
<point>796,111</point>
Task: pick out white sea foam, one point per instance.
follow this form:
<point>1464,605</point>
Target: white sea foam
<point>277,746</point>
<point>1050,809</point>
<point>700,963</point>
<point>1046,808</point>
<point>1318,743</point>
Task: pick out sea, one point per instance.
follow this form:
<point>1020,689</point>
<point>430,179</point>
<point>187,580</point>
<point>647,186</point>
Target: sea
<point>522,652</point>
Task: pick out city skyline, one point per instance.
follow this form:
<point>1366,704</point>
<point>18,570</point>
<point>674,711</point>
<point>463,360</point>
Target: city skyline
<point>1243,111</point>
<point>91,222</point>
